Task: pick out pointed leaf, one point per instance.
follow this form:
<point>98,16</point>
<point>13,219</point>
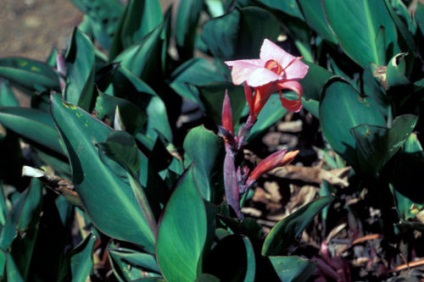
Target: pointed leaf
<point>82,259</point>
<point>120,216</point>
<point>313,12</point>
<point>286,232</point>
<point>341,109</point>
<point>182,232</point>
<point>7,97</point>
<point>186,26</point>
<point>30,75</point>
<point>144,60</point>
<point>102,18</point>
<point>249,27</point>
<point>80,71</point>
<point>376,145</point>
<point>34,125</point>
<point>139,19</point>
<point>290,7</point>
<point>356,24</point>
<point>291,268</point>
<point>203,148</point>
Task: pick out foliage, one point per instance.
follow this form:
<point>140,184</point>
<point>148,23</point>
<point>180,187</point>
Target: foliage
<point>130,172</point>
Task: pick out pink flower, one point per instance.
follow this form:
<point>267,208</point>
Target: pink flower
<point>275,70</point>
<point>277,159</point>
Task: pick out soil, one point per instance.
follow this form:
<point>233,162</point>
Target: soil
<point>31,28</point>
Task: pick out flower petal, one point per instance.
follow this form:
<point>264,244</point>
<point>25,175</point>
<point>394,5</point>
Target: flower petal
<point>261,77</point>
<point>296,87</point>
<point>296,70</point>
<point>271,51</point>
<point>242,69</point>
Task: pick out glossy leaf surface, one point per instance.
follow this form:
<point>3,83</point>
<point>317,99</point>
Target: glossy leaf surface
<point>95,181</point>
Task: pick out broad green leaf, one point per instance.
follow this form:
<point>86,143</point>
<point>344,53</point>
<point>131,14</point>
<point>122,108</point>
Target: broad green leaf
<point>30,75</point>
<point>203,148</point>
<point>272,112</point>
<point>186,27</point>
<point>357,24</point>
<point>139,19</point>
<point>82,259</point>
<point>341,109</point>
<point>27,209</point>
<point>36,126</point>
<point>198,72</point>
<point>395,73</point>
<point>80,71</point>
<point>292,268</point>
<point>249,27</point>
<point>376,145</point>
<point>182,232</point>
<point>232,259</point>
<point>314,81</point>
<point>132,117</point>
<point>286,232</point>
<point>131,88</point>
<point>121,147</point>
<point>144,60</point>
<point>404,21</point>
<point>120,214</point>
<point>290,7</point>
<point>313,11</point>
<point>101,20</point>
<point>7,97</point>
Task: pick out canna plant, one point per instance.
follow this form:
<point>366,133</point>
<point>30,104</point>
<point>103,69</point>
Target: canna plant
<point>130,162</point>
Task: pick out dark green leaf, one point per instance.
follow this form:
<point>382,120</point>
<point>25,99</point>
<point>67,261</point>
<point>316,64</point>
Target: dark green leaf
<point>30,75</point>
<point>376,145</point>
<point>80,71</point>
<point>291,268</point>
<point>341,109</point>
<point>272,112</point>
<point>186,26</point>
<point>313,12</point>
<point>12,271</point>
<point>212,96</point>
<point>290,7</point>
<point>144,60</point>
<point>182,232</point>
<point>138,20</point>
<point>7,97</point>
<point>249,27</point>
<point>203,148</point>
<point>130,115</point>
<point>127,258</point>
<point>121,147</point>
<point>357,24</point>
<point>34,125</point>
<point>96,183</point>
<point>198,72</point>
<point>82,259</point>
<point>101,20</point>
<point>286,232</point>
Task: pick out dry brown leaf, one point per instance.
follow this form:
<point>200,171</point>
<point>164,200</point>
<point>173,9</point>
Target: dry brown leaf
<point>313,174</point>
